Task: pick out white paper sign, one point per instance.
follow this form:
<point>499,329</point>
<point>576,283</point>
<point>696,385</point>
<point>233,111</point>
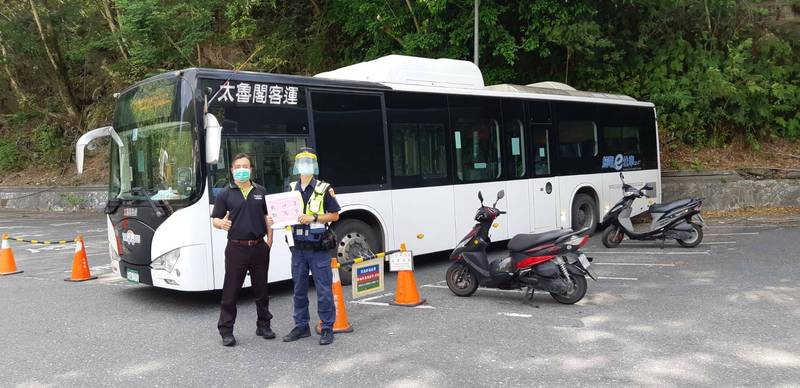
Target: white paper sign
<point>401,261</point>
<point>515,146</point>
<point>285,208</point>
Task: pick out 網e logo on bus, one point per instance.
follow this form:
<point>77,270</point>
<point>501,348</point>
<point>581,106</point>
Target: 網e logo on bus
<point>131,238</point>
<point>620,161</point>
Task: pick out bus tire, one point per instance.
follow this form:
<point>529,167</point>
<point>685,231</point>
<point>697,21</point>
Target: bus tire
<point>354,236</point>
<point>584,212</point>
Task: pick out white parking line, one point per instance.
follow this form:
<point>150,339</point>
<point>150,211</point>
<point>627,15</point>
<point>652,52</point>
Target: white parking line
<point>515,315</point>
<point>614,278</point>
<point>368,302</point>
<point>479,289</point>
<point>69,223</point>
<point>376,297</point>
<point>623,252</point>
<point>732,234</point>
<point>637,264</point>
<point>658,243</point>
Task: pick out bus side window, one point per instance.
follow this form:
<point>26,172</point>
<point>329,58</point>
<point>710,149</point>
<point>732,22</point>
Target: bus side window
<point>418,139</point>
<point>348,128</point>
<point>476,138</point>
<point>541,150</point>
<point>418,150</point>
<point>515,137</point>
<point>577,137</point>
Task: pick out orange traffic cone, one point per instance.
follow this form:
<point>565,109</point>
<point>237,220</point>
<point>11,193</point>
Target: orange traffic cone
<point>342,324</point>
<point>7,264</point>
<point>80,263</point>
<point>407,293</point>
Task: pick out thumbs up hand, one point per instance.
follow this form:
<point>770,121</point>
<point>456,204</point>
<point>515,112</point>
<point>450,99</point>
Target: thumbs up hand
<point>225,223</point>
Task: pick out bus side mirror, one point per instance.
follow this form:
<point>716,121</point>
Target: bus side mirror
<point>213,138</point>
<point>88,137</point>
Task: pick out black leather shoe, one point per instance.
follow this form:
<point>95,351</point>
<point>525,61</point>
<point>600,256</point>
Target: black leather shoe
<point>297,333</point>
<point>265,332</point>
<point>327,337</point>
<point>228,340</point>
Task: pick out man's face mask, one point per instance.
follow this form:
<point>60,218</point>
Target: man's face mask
<point>241,174</point>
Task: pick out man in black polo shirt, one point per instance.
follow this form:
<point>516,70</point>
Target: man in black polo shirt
<point>240,209</point>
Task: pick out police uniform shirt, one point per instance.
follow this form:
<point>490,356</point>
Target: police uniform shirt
<point>246,216</point>
<point>328,201</point>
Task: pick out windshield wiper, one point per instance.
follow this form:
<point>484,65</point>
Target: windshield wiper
<point>138,191</point>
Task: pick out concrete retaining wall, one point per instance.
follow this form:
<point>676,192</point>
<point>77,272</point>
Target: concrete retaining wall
<point>728,190</point>
<point>723,190</point>
<point>54,198</point>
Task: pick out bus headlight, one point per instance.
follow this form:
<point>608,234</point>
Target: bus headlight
<point>167,261</point>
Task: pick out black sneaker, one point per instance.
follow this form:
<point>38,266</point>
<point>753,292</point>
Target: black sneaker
<point>265,332</point>
<point>327,337</point>
<point>297,333</point>
<point>228,340</point>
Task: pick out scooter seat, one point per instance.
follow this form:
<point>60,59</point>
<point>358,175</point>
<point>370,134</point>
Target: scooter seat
<point>522,242</point>
<point>669,206</point>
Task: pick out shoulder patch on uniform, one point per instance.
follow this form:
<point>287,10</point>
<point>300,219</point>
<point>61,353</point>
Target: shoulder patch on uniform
<point>330,191</point>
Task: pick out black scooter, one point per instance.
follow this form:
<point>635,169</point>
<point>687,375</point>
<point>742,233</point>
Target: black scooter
<point>549,261</point>
<point>674,220</point>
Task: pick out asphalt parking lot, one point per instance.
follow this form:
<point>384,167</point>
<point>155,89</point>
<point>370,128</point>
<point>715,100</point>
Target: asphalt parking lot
<point>722,314</point>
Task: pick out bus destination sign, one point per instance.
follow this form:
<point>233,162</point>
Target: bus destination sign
<point>256,93</point>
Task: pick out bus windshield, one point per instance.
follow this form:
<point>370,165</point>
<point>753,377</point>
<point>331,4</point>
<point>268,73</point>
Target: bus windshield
<point>158,158</point>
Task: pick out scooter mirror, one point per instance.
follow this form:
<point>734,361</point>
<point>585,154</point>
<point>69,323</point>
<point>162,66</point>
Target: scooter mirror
<point>621,176</point>
<point>480,196</point>
<point>501,194</point>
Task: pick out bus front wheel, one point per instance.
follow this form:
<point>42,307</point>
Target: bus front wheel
<point>355,239</point>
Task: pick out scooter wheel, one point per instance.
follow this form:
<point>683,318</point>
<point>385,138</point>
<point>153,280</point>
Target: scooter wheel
<point>576,294</point>
<point>695,240</point>
<point>460,280</point>
<point>612,236</point>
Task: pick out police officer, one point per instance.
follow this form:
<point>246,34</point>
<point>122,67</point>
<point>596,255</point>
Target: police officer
<point>241,211</point>
<point>310,252</point>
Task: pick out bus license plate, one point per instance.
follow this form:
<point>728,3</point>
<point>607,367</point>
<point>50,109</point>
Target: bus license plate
<point>584,261</point>
<point>133,275</point>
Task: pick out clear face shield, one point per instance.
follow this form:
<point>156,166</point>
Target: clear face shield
<point>305,163</point>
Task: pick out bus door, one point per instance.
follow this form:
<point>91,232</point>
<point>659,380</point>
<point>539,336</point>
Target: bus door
<point>517,168</point>
<point>273,159</point>
<point>478,150</point>
<point>270,122</point>
<point>543,186</point>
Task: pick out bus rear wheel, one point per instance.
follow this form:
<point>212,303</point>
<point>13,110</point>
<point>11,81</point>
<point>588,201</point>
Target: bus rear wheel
<point>355,238</point>
<point>584,212</point>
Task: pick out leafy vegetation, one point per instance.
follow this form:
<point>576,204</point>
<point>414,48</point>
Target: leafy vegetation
<point>718,70</point>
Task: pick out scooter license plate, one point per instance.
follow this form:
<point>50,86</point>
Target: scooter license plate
<point>584,261</point>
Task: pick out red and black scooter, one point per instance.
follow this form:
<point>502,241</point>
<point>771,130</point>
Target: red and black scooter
<point>549,261</point>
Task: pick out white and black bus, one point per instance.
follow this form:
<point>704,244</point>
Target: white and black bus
<point>406,142</point>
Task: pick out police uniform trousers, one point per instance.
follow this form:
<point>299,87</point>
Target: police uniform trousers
<point>239,259</point>
<point>319,262</point>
